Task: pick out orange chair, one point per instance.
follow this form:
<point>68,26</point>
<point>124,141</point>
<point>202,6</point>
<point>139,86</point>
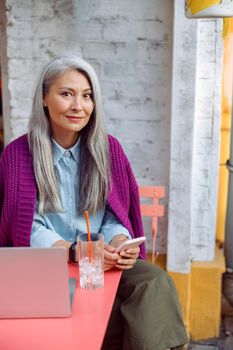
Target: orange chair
<point>153,210</point>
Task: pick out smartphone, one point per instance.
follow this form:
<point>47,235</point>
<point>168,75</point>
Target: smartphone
<point>130,243</point>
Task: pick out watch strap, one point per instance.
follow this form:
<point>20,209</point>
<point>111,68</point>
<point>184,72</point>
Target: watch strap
<point>72,252</point>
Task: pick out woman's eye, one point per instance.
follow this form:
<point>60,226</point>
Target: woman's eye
<point>87,96</point>
<point>66,93</point>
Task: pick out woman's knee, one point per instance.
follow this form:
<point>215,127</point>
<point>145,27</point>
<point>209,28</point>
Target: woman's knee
<point>145,273</point>
<point>149,271</point>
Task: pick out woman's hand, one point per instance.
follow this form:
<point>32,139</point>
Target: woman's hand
<point>110,257</point>
<point>127,258</point>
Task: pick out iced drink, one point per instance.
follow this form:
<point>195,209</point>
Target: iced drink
<point>91,261</point>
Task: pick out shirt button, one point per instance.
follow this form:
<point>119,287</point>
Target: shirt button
<point>67,154</point>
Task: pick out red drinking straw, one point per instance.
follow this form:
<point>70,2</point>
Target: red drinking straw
<point>88,235</point>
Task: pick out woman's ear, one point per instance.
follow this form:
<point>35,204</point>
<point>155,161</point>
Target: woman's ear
<point>44,100</point>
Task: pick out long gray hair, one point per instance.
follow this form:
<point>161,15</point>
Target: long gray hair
<point>94,160</point>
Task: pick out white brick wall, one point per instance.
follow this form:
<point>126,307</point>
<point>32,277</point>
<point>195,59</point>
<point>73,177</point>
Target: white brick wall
<point>206,139</point>
<point>182,131</point>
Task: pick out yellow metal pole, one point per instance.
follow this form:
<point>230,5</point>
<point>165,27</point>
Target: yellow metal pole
<point>225,130</point>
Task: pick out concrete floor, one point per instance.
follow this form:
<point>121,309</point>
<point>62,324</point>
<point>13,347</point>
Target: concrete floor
<point>209,344</point>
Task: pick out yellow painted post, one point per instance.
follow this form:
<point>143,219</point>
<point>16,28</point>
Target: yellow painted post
<point>205,306</point>
<point>225,131</point>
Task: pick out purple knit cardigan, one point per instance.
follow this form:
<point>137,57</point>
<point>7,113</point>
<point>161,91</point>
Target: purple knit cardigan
<point>18,193</point>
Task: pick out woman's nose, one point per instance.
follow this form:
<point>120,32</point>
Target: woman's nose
<point>76,104</point>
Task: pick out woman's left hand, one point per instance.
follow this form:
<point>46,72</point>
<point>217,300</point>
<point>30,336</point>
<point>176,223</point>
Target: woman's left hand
<point>127,258</point>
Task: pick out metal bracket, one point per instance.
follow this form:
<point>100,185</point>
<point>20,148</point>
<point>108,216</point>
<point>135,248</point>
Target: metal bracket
<point>229,166</point>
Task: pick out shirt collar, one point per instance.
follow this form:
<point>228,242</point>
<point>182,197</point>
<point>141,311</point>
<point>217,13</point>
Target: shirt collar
<point>59,151</point>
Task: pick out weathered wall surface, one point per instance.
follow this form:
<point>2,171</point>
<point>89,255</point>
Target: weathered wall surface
<point>206,138</point>
<point>195,131</point>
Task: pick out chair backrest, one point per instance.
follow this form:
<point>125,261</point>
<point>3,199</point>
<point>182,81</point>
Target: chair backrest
<point>153,209</point>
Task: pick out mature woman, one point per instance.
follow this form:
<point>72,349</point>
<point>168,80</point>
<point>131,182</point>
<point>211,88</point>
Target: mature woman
<point>67,164</point>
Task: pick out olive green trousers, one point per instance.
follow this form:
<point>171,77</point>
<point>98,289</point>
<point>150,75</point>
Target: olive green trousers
<point>146,314</point>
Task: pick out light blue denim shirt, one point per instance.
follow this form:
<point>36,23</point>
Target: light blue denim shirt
<point>49,228</point>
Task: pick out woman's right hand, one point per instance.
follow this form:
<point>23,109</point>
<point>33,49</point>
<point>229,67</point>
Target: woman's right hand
<point>110,257</point>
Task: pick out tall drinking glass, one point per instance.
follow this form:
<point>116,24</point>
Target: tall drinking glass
<point>91,261</point>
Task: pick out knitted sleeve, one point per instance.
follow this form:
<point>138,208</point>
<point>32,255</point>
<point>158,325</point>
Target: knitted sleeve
<point>4,239</point>
<point>1,186</point>
<point>17,194</point>
<point>124,197</point>
<point>135,212</point>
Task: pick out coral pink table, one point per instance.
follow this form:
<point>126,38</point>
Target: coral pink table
<point>84,330</point>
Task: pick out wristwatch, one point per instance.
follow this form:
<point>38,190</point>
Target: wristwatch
<point>72,252</point>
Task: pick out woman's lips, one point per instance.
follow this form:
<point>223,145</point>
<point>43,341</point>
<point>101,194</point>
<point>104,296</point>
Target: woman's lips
<point>73,117</point>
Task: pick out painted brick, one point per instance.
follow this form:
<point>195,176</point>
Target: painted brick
<point>136,30</point>
<point>20,30</point>
<point>158,10</point>
<point>203,146</point>
<point>204,107</point>
<point>206,145</point>
<point>21,88</point>
<point>21,108</point>
<point>19,127</point>
<point>20,69</point>
<point>206,88</point>
<point>204,127</point>
<point>19,48</point>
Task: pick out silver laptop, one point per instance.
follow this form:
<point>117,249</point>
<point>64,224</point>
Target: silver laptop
<point>34,282</point>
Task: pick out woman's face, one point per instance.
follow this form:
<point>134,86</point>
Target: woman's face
<point>70,105</point>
